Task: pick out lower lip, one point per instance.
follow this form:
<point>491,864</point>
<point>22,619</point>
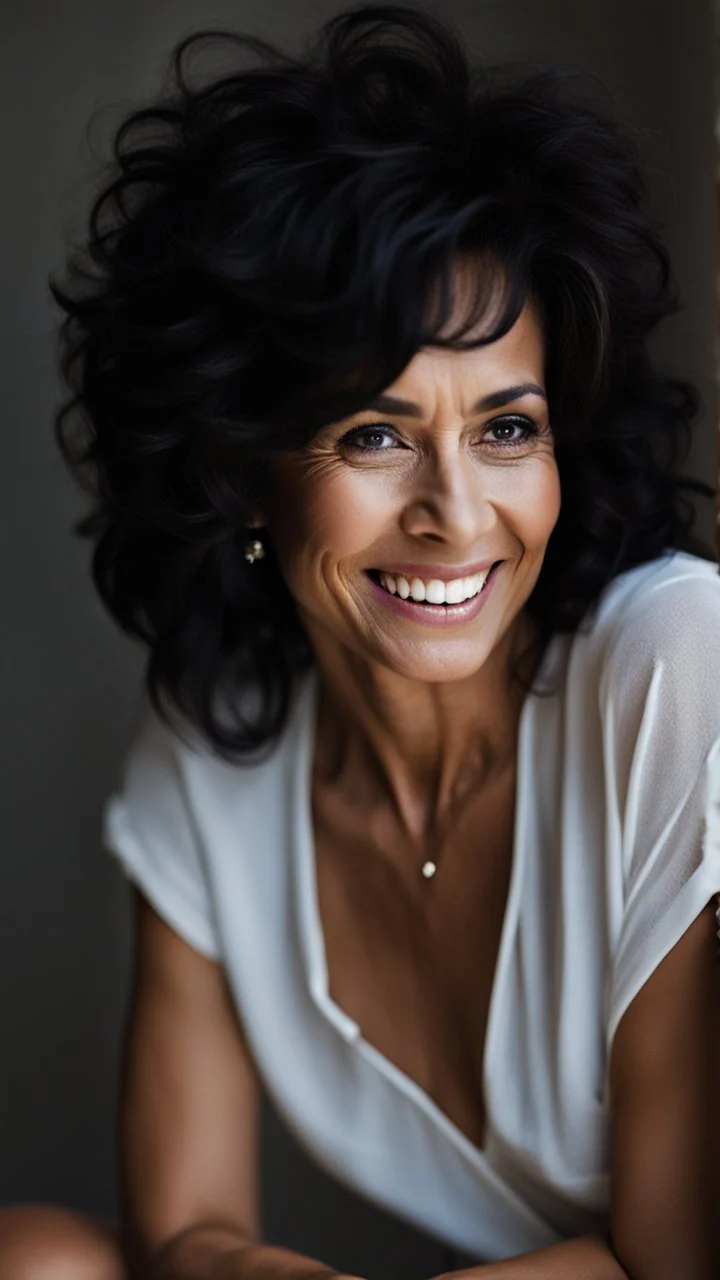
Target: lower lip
<point>437,615</point>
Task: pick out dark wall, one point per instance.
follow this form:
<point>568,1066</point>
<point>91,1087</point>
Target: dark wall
<point>70,681</point>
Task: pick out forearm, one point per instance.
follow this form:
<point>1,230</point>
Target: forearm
<point>585,1258</point>
<point>217,1253</point>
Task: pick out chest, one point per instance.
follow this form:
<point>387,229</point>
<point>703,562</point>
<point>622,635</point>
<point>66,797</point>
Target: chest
<point>412,961</point>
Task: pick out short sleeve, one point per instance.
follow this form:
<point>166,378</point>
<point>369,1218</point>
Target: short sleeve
<point>148,825</point>
<point>660,705</point>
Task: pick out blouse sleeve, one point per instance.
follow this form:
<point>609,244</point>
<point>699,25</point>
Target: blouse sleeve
<point>660,705</point>
<point>148,825</point>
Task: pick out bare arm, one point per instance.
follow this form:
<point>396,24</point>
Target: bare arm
<point>585,1258</point>
<point>665,1082</point>
<point>189,1124</point>
<point>665,1098</point>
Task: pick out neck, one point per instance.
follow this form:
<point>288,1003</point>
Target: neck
<point>419,750</point>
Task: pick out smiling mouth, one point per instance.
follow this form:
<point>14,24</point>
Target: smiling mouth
<point>413,590</point>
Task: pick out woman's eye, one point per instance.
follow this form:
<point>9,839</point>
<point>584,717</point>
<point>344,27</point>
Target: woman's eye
<point>524,425</point>
<point>371,434</point>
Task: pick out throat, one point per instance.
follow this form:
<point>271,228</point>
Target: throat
<point>417,796</point>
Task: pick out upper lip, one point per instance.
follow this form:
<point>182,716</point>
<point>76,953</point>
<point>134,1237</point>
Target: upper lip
<point>444,573</point>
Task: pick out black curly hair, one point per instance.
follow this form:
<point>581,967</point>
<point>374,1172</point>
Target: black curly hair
<point>258,265</point>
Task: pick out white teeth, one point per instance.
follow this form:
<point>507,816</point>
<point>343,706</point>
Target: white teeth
<point>455,592</point>
<point>434,591</point>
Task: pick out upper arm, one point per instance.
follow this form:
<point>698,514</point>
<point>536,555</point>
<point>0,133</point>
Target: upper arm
<point>189,1108</point>
<point>665,1106</point>
<point>660,711</point>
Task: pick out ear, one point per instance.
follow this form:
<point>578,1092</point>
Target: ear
<point>256,520</point>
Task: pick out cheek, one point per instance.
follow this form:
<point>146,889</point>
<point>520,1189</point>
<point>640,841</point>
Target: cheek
<point>318,521</point>
<point>352,512</point>
<point>536,503</point>
<point>528,503</point>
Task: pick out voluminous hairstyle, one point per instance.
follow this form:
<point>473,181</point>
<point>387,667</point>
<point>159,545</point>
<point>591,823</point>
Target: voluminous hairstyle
<point>260,263</point>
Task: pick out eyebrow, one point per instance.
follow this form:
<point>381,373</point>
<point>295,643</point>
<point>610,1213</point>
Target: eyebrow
<point>408,408</point>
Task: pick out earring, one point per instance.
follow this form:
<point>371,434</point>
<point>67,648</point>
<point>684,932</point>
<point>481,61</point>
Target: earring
<point>254,550</point>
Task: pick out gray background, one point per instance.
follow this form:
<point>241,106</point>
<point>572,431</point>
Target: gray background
<point>70,680</point>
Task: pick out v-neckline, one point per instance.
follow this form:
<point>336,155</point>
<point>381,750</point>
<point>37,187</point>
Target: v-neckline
<point>313,939</point>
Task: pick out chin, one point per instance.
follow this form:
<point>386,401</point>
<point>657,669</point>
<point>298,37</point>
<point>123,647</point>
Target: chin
<point>435,668</point>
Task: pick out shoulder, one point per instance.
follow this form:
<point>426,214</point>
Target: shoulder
<point>665,598</point>
<point>663,613</point>
<point>181,816</point>
<point>183,747</point>
<point>643,693</point>
<point>174,788</point>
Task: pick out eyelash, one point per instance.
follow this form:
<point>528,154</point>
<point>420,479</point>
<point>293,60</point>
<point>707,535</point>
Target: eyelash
<point>529,429</point>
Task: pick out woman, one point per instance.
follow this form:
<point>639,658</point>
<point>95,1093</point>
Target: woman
<point>422,811</point>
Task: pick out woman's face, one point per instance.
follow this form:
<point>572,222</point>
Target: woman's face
<point>462,475</point>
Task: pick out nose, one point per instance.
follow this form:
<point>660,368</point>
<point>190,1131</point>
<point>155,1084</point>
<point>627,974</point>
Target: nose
<point>450,502</point>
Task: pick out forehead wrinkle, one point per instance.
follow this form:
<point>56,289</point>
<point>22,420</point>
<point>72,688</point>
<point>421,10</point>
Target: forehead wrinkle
<point>400,407</point>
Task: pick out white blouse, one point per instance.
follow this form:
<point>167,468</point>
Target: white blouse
<point>616,852</point>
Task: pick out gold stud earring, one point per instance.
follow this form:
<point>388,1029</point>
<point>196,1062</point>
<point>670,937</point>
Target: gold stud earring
<point>254,550</point>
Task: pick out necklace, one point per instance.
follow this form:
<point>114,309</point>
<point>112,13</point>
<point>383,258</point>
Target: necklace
<point>429,870</point>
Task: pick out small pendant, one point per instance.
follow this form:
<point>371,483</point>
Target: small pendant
<point>429,870</point>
